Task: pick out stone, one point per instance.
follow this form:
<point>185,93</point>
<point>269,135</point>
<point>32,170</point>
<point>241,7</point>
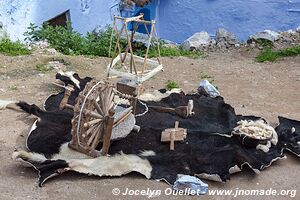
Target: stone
<point>196,41</point>
<point>298,29</point>
<point>267,35</point>
<point>225,36</point>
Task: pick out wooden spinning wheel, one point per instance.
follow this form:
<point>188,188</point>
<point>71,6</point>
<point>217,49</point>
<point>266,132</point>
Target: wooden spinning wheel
<point>93,118</point>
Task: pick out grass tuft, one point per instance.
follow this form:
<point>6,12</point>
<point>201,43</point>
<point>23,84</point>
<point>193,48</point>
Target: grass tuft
<point>171,85</point>
<point>10,48</point>
<point>271,55</point>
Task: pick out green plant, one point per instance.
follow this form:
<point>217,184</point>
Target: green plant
<point>171,85</point>
<point>271,55</point>
<point>264,43</point>
<point>70,42</point>
<point>10,48</point>
<point>13,88</point>
<point>40,67</point>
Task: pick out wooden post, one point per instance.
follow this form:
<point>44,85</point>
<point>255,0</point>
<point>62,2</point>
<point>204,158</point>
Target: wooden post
<point>158,47</point>
<point>132,36</point>
<point>131,52</point>
<point>108,130</point>
<point>65,100</point>
<point>147,51</point>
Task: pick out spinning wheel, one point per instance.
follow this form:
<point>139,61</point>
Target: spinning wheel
<point>93,118</point>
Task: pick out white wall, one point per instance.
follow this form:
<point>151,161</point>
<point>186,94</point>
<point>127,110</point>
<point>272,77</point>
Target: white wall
<point>16,15</point>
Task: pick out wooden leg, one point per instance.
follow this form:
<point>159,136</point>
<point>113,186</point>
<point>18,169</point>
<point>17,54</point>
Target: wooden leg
<point>131,52</point>
<point>108,131</point>
<point>147,51</point>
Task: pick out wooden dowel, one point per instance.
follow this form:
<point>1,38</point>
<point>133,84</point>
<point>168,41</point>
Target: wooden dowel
<point>92,137</point>
<point>116,123</point>
<point>145,22</point>
<point>118,41</point>
<point>98,107</point>
<point>172,140</point>
<point>90,130</point>
<point>158,45</point>
<point>65,99</point>
<point>129,19</point>
<point>147,51</point>
<point>87,112</point>
<point>90,123</point>
<point>100,134</point>
<point>132,36</point>
<point>131,52</point>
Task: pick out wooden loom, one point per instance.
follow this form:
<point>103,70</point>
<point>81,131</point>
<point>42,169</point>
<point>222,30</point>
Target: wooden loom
<point>93,118</point>
<point>133,72</point>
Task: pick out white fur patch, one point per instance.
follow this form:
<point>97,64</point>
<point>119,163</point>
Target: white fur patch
<point>27,156</point>
<point>211,177</point>
<point>33,127</point>
<point>116,165</point>
<point>234,169</point>
<point>70,74</point>
<point>157,95</point>
<point>147,153</point>
<point>5,103</point>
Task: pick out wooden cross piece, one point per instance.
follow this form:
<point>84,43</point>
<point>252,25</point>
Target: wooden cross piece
<point>173,134</point>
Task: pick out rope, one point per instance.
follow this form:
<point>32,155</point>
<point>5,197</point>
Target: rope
<point>81,110</point>
<point>147,109</point>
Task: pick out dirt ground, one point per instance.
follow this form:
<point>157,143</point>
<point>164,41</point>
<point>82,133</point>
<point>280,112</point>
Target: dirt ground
<point>263,89</point>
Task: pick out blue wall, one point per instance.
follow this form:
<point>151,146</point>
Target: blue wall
<point>179,19</point>
<point>176,19</point>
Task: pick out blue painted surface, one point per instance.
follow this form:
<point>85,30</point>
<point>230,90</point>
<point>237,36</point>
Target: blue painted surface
<point>179,19</point>
<point>176,19</point>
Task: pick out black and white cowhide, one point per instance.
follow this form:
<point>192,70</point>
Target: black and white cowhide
<point>209,151</point>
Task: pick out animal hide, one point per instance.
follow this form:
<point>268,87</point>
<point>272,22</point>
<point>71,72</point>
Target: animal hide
<point>209,151</point>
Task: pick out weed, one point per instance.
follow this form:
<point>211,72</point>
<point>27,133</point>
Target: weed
<point>43,68</point>
<point>207,77</point>
<point>10,48</point>
<point>264,43</point>
<point>13,88</point>
<point>70,42</point>
<point>171,85</point>
<point>271,55</point>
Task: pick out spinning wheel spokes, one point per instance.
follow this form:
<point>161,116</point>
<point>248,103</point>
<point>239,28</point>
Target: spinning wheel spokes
<point>92,112</point>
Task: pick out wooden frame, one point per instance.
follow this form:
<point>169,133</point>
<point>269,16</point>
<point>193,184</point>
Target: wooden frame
<point>132,71</point>
<point>94,116</point>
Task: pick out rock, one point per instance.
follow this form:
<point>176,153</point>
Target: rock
<point>291,32</point>
<point>196,41</point>
<point>298,29</point>
<point>51,51</point>
<point>170,45</point>
<point>40,45</point>
<point>267,35</point>
<point>225,36</point>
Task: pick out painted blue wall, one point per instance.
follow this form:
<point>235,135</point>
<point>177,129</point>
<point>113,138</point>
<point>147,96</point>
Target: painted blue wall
<point>176,19</point>
<point>179,19</point>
